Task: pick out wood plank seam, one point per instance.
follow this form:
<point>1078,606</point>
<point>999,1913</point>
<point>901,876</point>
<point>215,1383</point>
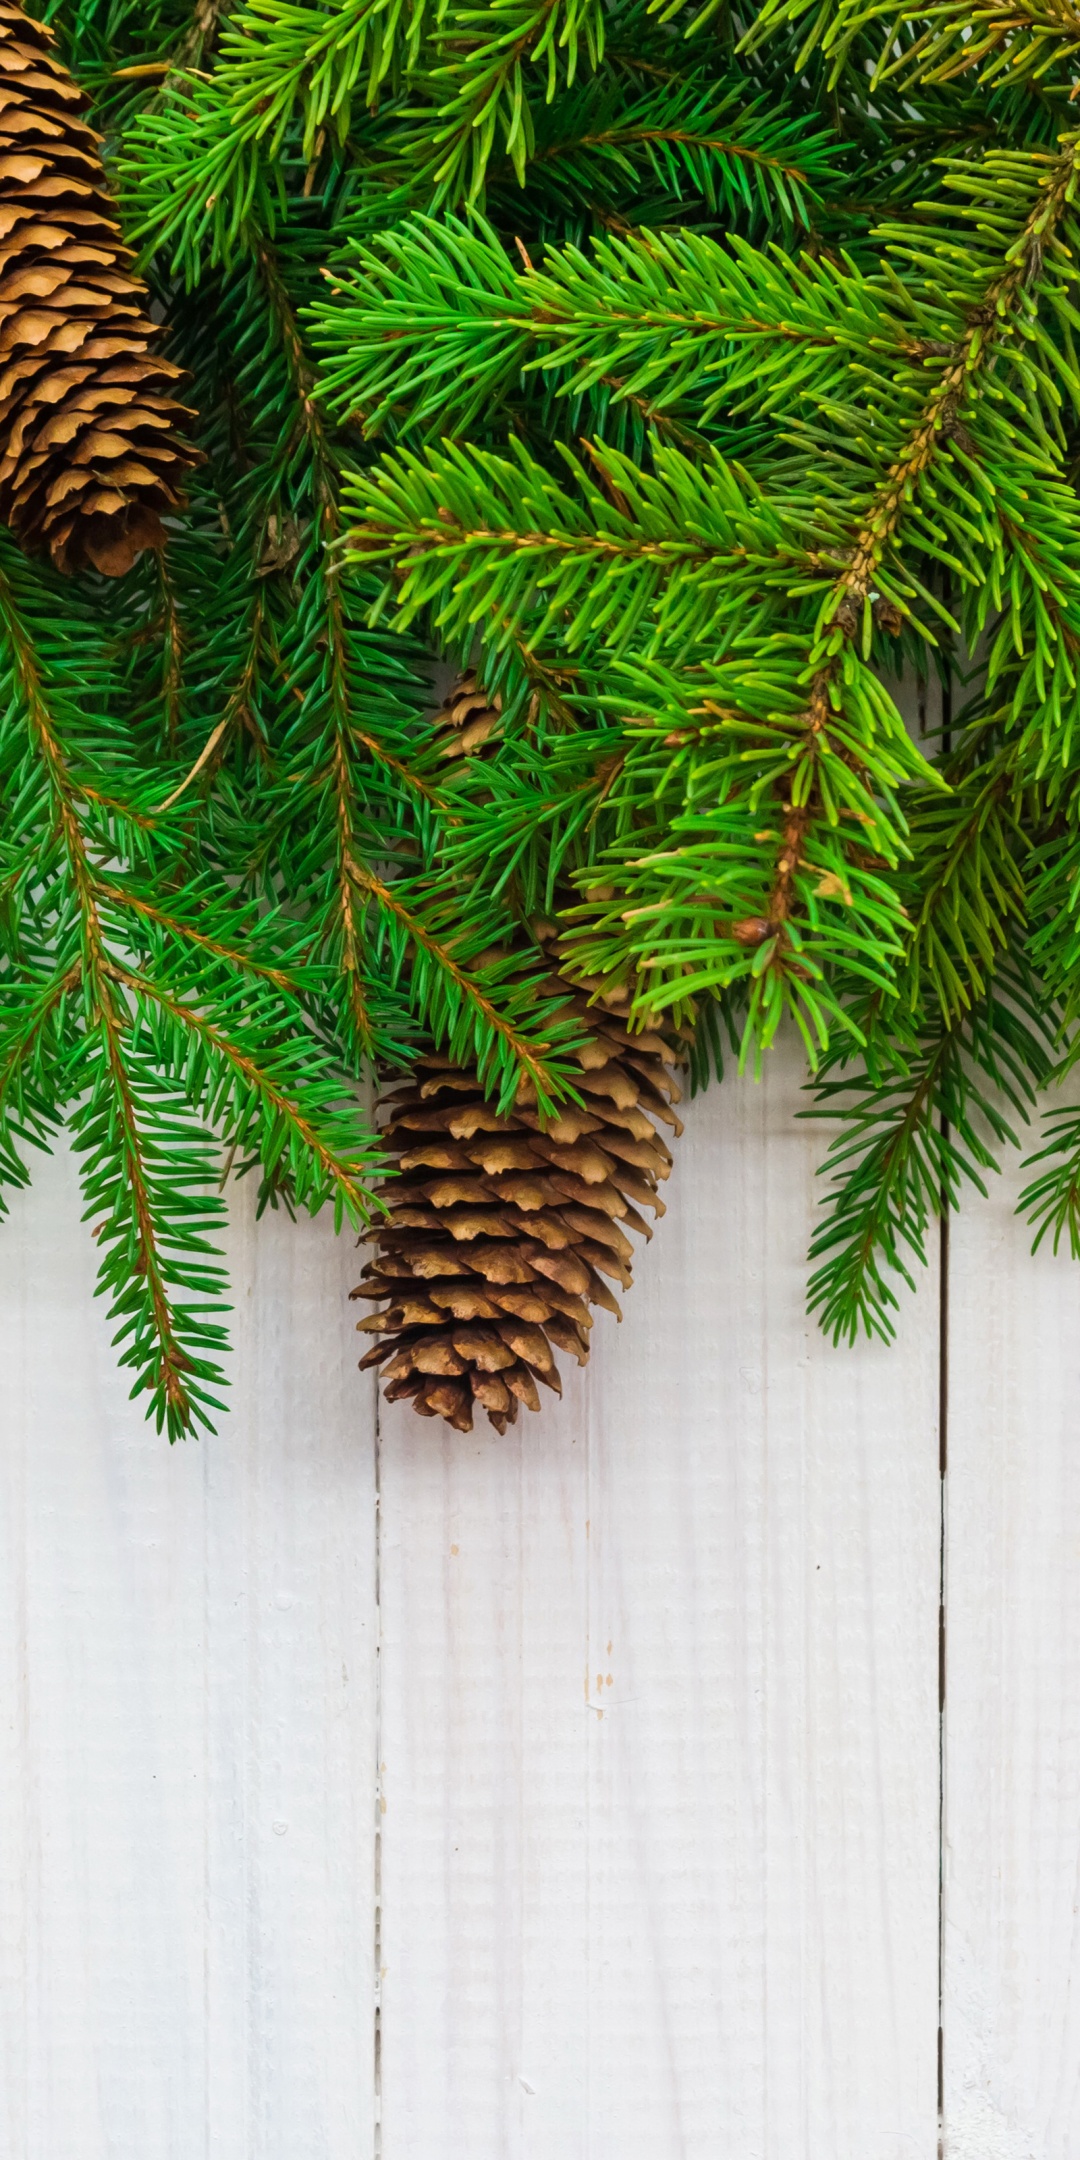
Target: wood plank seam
<point>376,2034</point>
<point>943,1465</point>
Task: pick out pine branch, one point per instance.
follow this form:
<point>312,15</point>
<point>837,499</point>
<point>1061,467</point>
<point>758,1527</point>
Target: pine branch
<point>486,1013</point>
<point>939,44</point>
<point>341,931</point>
<point>926,1118</point>
<point>756,384</point>
<point>81,1039</point>
<point>1051,1201</point>
<point>478,539</point>
<point>741,159</point>
<point>479,80</point>
<point>140,1268</point>
<point>324,739</point>
<point>675,318</point>
<point>970,851</point>
<point>194,184</point>
<point>848,610</point>
<point>257,1097</point>
<point>687,917</point>
<point>283,60</point>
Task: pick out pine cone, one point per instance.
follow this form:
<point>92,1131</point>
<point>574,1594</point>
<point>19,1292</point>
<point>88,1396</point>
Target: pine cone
<point>501,1230</point>
<point>468,719</point>
<point>92,452</point>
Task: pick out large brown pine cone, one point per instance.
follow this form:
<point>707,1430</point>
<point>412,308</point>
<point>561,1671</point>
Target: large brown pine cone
<point>92,452</point>
<point>501,1230</point>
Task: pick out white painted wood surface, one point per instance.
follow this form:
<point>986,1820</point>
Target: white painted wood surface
<point>187,1646</point>
<point>1012,1718</point>
<point>660,1721</point>
<point>647,1763</point>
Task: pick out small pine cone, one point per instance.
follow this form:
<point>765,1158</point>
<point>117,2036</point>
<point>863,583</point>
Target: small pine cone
<point>92,452</point>
<point>501,1230</point>
<point>468,719</point>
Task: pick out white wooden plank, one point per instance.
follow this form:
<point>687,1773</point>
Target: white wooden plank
<point>187,1797</point>
<point>659,1726</point>
<point>1012,1716</point>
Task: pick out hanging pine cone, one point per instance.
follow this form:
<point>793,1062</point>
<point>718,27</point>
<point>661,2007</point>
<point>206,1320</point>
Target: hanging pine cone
<point>502,1230</point>
<point>468,719</point>
<point>92,450</point>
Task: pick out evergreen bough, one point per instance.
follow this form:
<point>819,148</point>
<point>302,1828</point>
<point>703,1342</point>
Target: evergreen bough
<point>690,375</point>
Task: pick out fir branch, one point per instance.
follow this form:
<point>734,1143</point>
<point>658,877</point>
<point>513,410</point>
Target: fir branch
<point>281,59</point>
<point>1051,1201</point>
<point>509,1037</point>
<point>688,455</point>
<point>673,317</point>
<point>479,81</point>
<point>327,1156</point>
<point>166,1339</point>
<point>1000,39</point>
<point>149,1168</point>
<point>926,1118</point>
<point>345,931</point>
<point>644,548</point>
<point>194,184</point>
<point>702,139</point>
<point>847,610</point>
<point>970,851</point>
<point>229,952</point>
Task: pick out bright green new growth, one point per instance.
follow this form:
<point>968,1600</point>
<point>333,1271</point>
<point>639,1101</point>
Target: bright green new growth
<point>693,375</point>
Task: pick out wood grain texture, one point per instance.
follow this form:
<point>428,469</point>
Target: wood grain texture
<point>1012,1717</point>
<point>659,1719</point>
<point>187,1782</point>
